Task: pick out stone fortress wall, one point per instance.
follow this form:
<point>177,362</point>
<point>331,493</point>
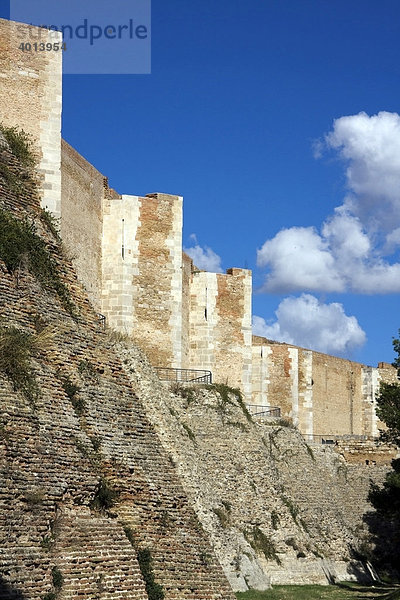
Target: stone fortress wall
<point>194,480</point>
<point>323,394</point>
<point>127,252</point>
<point>31,98</point>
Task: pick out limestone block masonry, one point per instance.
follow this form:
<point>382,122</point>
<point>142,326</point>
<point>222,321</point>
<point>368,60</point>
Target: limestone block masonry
<point>220,326</point>
<point>246,479</point>
<point>82,208</point>
<point>86,434</point>
<point>127,252</point>
<point>321,394</point>
<point>31,99</point>
<point>142,272</point>
<point>106,461</point>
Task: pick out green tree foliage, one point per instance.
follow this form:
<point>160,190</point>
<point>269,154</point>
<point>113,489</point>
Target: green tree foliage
<point>386,500</point>
<point>21,145</point>
<point>16,348</point>
<point>388,410</point>
<point>396,348</point>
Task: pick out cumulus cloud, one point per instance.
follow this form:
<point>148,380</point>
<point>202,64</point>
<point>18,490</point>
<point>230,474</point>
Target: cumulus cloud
<point>351,250</point>
<point>299,259</point>
<point>306,322</point>
<point>370,146</point>
<point>204,258</point>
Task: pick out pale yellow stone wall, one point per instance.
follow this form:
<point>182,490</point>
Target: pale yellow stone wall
<point>279,364</point>
<point>305,395</point>
<point>260,372</point>
<point>321,394</point>
<point>387,373</point>
<point>187,269</point>
<point>127,251</point>
<point>120,256</point>
<point>142,273</point>
<point>282,377</point>
<point>370,388</point>
<point>337,395</point>
<point>204,320</point>
<point>82,209</point>
<point>158,282</point>
<point>220,326</point>
<point>30,99</point>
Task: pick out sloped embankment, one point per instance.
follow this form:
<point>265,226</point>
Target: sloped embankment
<point>272,505</point>
<point>90,504</point>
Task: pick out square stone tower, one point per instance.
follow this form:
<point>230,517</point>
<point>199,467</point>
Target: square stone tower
<point>142,272</point>
<point>31,100</point>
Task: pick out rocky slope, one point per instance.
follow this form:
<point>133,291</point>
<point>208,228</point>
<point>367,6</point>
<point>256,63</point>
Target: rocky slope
<point>112,486</point>
<point>273,506</point>
<point>90,504</point>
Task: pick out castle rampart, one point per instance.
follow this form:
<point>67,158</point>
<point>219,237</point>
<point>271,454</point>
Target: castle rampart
<point>127,251</point>
<point>220,326</point>
<point>31,98</point>
<point>82,208</point>
<point>322,394</point>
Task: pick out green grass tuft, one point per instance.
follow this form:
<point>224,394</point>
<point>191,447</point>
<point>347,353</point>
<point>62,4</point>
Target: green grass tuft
<point>130,535</point>
<point>310,452</point>
<point>294,511</point>
<point>21,246</point>
<point>52,224</point>
<point>16,348</point>
<point>185,391</point>
<point>275,520</point>
<point>57,578</point>
<point>21,145</point>
<point>225,393</point>
<point>340,591</point>
<point>153,589</point>
<point>105,496</point>
<point>223,516</point>
<point>262,543</point>
<point>189,432</point>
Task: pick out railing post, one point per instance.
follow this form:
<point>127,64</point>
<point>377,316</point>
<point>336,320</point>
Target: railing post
<point>184,375</point>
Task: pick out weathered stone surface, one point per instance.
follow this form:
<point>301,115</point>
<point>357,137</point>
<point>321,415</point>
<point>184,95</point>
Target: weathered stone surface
<point>239,475</point>
<point>127,251</point>
<point>31,99</point>
<point>55,451</point>
<point>268,505</point>
<point>321,394</point>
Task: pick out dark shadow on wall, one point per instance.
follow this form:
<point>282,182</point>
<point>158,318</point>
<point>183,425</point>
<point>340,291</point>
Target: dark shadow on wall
<point>7,592</point>
<point>384,524</point>
<point>384,552</point>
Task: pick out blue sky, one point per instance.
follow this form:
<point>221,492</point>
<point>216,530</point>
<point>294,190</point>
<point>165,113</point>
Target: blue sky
<point>240,92</point>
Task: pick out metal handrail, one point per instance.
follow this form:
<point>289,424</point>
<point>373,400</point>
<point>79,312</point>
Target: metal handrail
<point>184,375</point>
<point>262,410</point>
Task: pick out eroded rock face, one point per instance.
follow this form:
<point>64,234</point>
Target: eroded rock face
<point>106,461</point>
<point>275,508</point>
<point>84,480</point>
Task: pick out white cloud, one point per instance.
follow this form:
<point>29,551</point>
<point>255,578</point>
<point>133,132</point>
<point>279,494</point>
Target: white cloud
<point>204,258</point>
<point>392,241</point>
<point>350,252</point>
<point>371,148</point>
<point>306,322</point>
<point>299,259</point>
